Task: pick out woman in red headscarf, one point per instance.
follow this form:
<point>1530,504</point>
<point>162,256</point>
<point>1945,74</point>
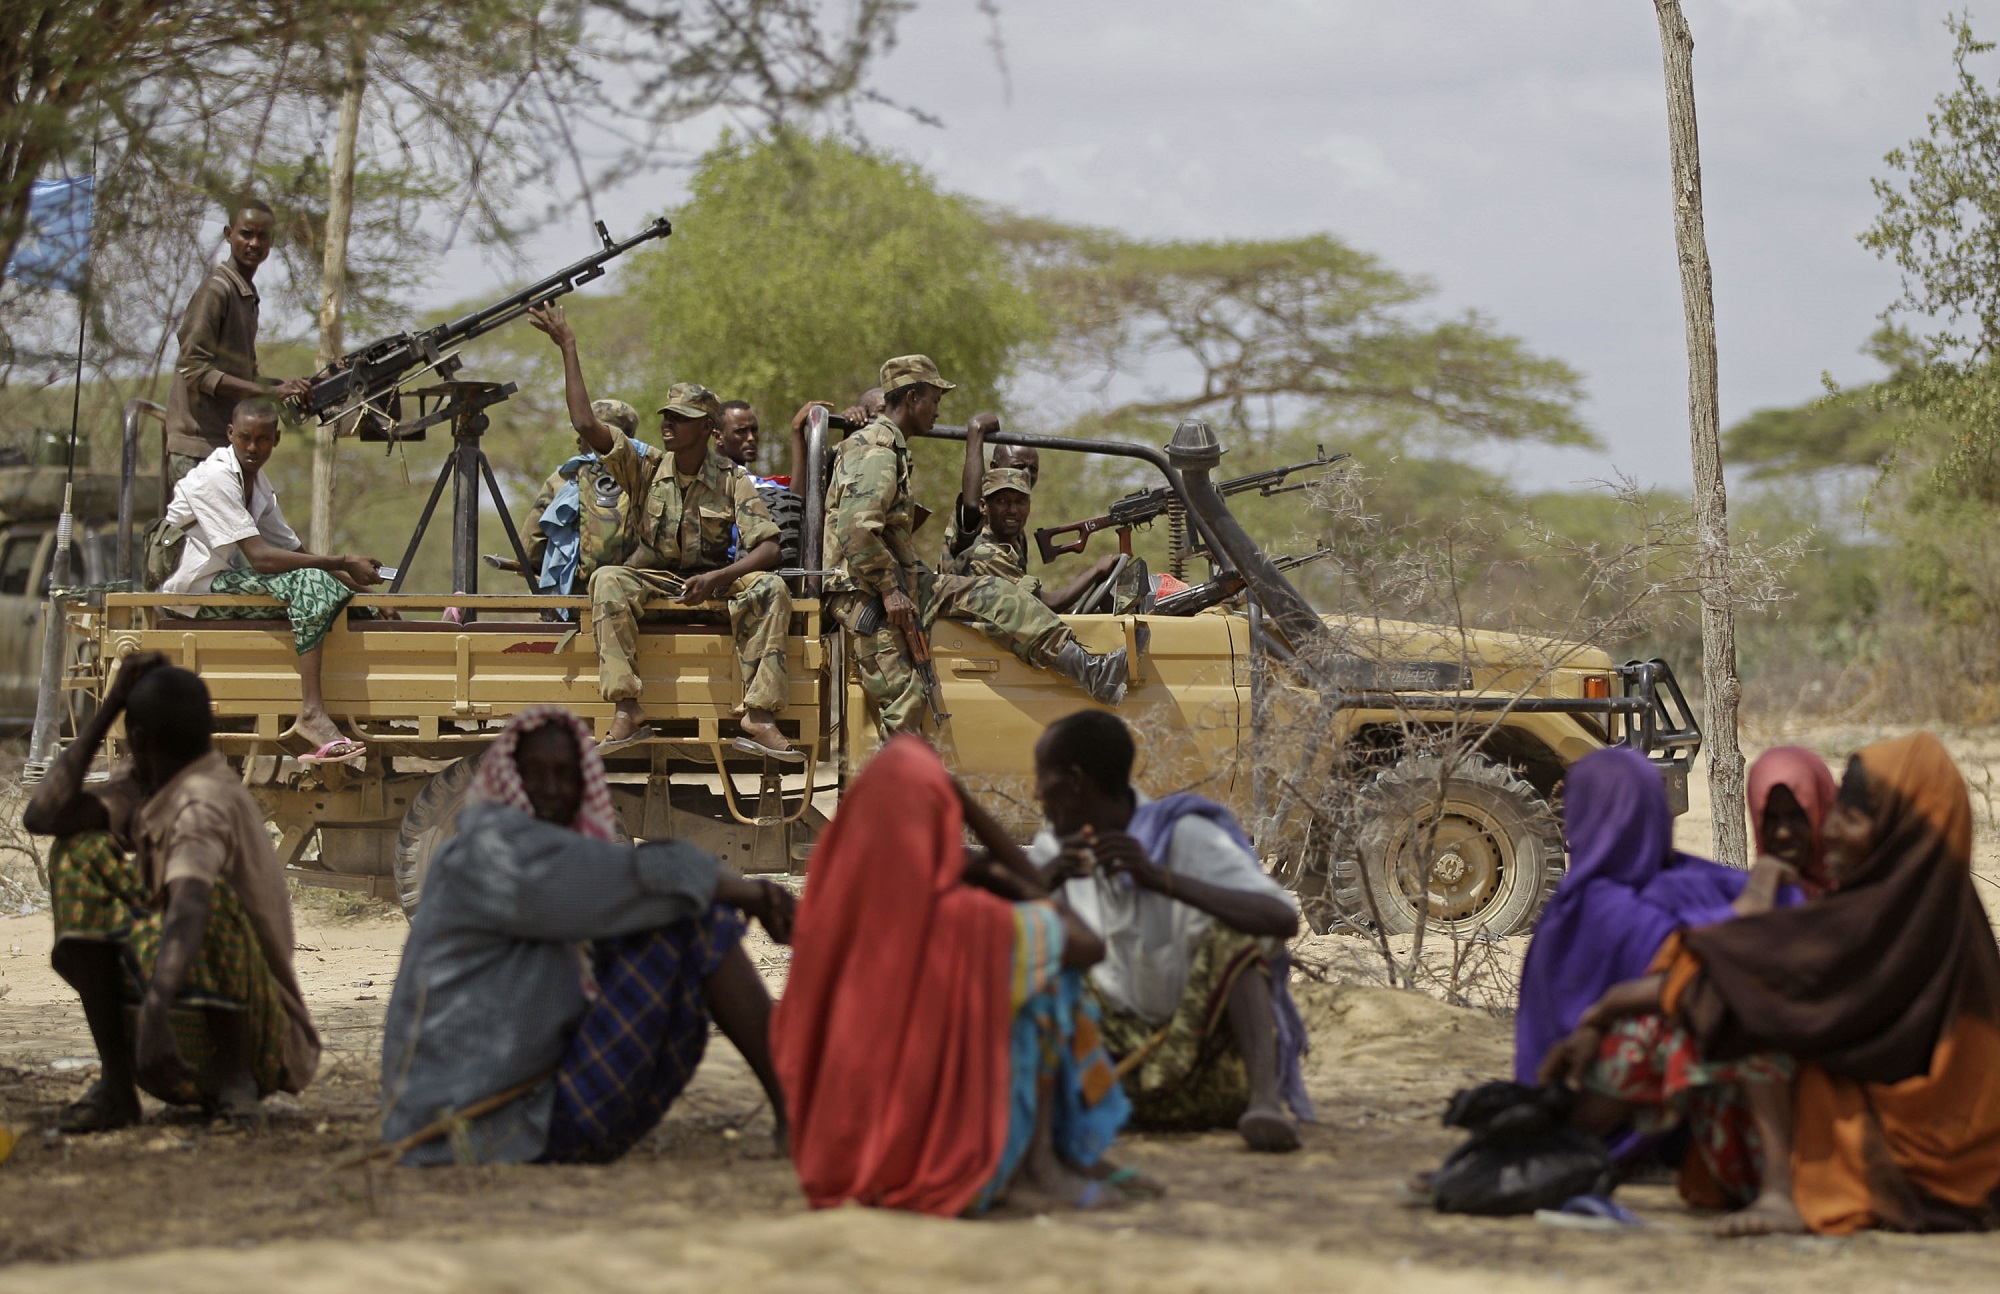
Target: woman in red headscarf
<point>933,1044</point>
<point>1790,791</point>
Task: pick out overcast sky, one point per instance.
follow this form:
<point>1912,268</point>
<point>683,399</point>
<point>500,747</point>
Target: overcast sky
<point>1513,151</point>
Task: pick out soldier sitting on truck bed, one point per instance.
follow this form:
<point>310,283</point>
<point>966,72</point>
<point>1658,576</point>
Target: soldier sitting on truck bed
<point>869,546</point>
<point>688,502</point>
<point>581,520</point>
<point>968,512</point>
<point>166,894</point>
<point>999,540</point>
<point>238,542</point>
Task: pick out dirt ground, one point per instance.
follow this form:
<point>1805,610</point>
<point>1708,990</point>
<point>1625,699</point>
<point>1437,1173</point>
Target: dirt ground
<point>177,1205</point>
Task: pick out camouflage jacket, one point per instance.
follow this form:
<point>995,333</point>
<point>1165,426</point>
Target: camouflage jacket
<point>686,524</point>
<point>603,520</point>
<point>988,554</point>
<point>870,518</point>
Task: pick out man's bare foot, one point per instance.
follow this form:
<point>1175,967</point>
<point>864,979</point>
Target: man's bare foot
<point>760,730</point>
<point>626,724</point>
<point>311,732</point>
<point>99,1110</point>
<point>1267,1130</point>
<point>1768,1215</point>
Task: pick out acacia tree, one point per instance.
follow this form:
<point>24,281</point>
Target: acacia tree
<point>1277,331</point>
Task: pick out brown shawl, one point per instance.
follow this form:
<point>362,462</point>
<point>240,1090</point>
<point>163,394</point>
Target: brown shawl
<point>1866,980</point>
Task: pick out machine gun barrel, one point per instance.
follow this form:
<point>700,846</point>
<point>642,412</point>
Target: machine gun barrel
<point>368,377</point>
<point>1144,506</point>
<point>1215,592</point>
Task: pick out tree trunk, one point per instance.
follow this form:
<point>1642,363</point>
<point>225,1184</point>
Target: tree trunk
<point>333,277</point>
<point>1711,503</point>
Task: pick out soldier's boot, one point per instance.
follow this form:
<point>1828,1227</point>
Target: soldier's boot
<point>1101,676</point>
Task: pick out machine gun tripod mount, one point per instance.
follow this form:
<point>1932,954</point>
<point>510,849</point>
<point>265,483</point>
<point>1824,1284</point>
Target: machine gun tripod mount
<point>464,405</point>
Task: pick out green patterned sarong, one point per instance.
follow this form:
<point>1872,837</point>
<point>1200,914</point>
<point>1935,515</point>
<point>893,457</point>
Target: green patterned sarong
<point>312,599</point>
<point>1188,1073</point>
<point>96,893</point>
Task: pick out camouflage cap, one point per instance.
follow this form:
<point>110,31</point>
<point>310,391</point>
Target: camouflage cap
<point>1005,478</point>
<point>691,400</point>
<point>618,413</point>
<point>912,370</point>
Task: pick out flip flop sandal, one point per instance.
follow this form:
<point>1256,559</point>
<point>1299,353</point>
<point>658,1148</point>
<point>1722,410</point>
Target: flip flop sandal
<point>790,755</point>
<point>334,752</point>
<point>641,733</point>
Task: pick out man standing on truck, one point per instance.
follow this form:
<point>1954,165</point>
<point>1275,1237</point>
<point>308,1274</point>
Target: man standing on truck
<point>688,503</point>
<point>217,368</point>
<point>1192,986</point>
<point>166,893</point>
<point>870,548</point>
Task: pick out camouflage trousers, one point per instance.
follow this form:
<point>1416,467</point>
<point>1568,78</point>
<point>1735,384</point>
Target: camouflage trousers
<point>998,608</point>
<point>760,611</point>
<point>1188,1073</point>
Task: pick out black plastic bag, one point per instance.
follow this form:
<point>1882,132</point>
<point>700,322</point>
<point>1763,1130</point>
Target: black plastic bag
<point>1523,1153</point>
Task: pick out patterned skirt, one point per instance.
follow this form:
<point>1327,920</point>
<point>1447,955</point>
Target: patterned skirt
<point>639,1042</point>
<point>1189,1073</point>
<point>1652,1064</point>
<point>97,894</point>
<point>1056,1057</point>
<point>312,599</point>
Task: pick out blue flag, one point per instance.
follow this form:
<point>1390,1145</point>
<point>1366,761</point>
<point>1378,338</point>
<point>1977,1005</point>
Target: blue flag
<point>54,251</point>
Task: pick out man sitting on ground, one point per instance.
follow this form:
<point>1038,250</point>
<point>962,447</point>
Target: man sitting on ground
<point>494,997</point>
<point>581,520</point>
<point>238,542</point>
<point>693,507</point>
<point>166,894</point>
<point>1193,981</point>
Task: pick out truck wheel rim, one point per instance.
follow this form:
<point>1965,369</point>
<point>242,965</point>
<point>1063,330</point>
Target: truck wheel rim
<point>1472,862</point>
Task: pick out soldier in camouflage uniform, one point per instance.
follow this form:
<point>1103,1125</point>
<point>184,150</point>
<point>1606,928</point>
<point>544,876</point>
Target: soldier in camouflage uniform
<point>1000,546</point>
<point>687,500</point>
<point>869,546</point>
<point>967,512</point>
<point>592,510</point>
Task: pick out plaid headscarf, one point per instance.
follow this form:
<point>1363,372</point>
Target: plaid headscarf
<point>499,780</point>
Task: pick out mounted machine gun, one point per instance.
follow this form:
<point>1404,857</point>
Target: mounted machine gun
<point>1142,507</point>
<point>366,381</point>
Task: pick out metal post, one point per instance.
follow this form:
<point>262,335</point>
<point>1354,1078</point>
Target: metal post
<point>42,739</point>
<point>128,478</point>
<point>1259,681</point>
<point>465,430</point>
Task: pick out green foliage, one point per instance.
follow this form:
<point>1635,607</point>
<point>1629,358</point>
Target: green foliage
<point>1846,429</point>
<point>800,264</point>
<point>1309,328</point>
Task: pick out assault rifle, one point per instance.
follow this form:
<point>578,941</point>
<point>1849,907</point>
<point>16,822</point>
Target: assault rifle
<point>1200,597</point>
<point>367,379</point>
<point>1144,506</point>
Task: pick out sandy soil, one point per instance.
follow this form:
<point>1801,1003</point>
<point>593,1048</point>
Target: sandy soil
<point>178,1205</point>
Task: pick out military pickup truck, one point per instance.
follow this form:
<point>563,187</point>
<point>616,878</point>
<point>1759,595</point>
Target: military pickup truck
<point>30,503</point>
<point>1259,701</point>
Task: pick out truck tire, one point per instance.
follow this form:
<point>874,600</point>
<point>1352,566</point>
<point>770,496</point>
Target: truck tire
<point>431,819</point>
<point>789,511</point>
<point>1496,855</point>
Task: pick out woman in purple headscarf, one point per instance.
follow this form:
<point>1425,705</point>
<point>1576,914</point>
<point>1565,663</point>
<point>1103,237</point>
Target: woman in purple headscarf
<point>1628,889</point>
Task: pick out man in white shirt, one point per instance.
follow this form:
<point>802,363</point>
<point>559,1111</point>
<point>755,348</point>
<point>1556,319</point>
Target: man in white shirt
<point>1192,985</point>
<point>238,542</point>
